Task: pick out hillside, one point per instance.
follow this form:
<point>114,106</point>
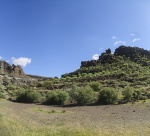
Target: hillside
<point>128,65</point>
<point>126,70</point>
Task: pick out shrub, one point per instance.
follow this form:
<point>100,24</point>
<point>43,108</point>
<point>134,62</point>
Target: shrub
<point>95,86</point>
<point>128,93</point>
<point>137,94</point>
<point>63,97</point>
<point>11,87</point>
<point>57,97</point>
<point>108,96</point>
<point>2,95</point>
<point>28,96</point>
<point>45,84</point>
<point>82,95</point>
<point>143,97</point>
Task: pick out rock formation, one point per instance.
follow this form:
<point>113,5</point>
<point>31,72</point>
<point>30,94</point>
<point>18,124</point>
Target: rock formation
<point>13,70</point>
<point>17,70</point>
<point>132,52</point>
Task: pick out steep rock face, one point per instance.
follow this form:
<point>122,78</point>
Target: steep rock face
<point>88,63</point>
<point>105,57</point>
<point>13,70</point>
<point>4,67</point>
<point>132,52</point>
<point>17,70</point>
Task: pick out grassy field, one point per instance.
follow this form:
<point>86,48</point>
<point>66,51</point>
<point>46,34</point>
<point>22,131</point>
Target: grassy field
<point>38,120</point>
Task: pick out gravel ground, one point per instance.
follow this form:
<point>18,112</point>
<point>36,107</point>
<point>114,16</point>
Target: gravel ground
<point>104,117</point>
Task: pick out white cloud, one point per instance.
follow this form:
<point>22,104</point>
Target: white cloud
<point>1,57</point>
<point>21,61</point>
<point>136,39</point>
<point>120,43</point>
<point>114,37</point>
<point>132,34</point>
<point>95,56</point>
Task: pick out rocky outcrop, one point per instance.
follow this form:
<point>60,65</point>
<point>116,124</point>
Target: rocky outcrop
<point>132,52</point>
<point>13,70</point>
<point>4,67</point>
<point>105,57</point>
<point>17,70</point>
<point>88,63</point>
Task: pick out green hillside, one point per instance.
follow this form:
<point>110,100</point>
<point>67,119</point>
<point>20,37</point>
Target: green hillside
<point>121,77</point>
<point>128,65</point>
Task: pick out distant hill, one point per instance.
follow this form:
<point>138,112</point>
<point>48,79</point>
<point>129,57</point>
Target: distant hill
<point>125,73</point>
<point>11,74</point>
<point>128,65</point>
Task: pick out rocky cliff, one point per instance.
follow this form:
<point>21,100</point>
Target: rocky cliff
<point>133,53</point>
<point>11,70</point>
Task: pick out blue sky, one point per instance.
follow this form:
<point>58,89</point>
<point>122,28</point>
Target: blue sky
<point>52,37</point>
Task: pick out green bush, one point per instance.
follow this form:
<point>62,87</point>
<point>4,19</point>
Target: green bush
<point>128,93</point>
<point>2,95</point>
<point>108,96</point>
<point>137,94</point>
<point>45,84</point>
<point>82,95</point>
<point>143,97</point>
<point>95,86</point>
<point>11,87</point>
<point>57,97</point>
<point>28,96</point>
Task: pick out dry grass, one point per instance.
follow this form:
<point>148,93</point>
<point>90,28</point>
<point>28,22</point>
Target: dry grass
<point>14,128</point>
<point>81,122</point>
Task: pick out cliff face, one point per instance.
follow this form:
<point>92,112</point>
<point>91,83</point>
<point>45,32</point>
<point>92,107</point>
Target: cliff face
<point>13,70</point>
<point>17,70</point>
<point>132,52</point>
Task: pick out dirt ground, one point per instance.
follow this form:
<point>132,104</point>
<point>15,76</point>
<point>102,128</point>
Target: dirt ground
<point>103,117</point>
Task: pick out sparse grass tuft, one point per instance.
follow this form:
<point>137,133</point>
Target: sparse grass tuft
<point>51,111</point>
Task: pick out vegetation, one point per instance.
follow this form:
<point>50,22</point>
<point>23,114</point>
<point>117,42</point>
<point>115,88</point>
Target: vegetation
<point>128,93</point>
<point>28,96</point>
<point>95,86</point>
<point>127,71</point>
<point>57,97</point>
<point>2,95</point>
<point>50,111</point>
<point>82,95</point>
<point>114,78</point>
<point>108,96</point>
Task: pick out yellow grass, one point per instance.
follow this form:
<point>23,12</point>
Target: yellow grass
<point>11,127</point>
